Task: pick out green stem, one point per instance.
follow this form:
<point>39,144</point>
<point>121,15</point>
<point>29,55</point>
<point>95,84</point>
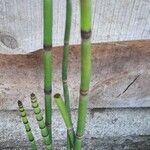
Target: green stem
<point>69,145</point>
<point>85,8</point>
<point>63,110</point>
<point>27,125</point>
<point>41,123</point>
<point>47,61</point>
<point>65,60</point>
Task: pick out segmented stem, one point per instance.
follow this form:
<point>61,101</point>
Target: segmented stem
<point>65,60</point>
<point>85,8</point>
<point>63,110</point>
<point>47,61</point>
<point>41,123</point>
<point>27,125</point>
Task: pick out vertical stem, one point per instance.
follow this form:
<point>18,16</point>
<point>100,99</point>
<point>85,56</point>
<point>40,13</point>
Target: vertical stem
<point>85,8</point>
<point>27,125</point>
<point>47,61</point>
<point>41,123</point>
<point>65,59</point>
<point>64,112</point>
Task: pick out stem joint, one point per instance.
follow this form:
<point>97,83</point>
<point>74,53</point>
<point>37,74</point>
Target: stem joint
<point>79,136</point>
<point>83,92</point>
<point>48,92</point>
<point>47,47</point>
<point>85,35</point>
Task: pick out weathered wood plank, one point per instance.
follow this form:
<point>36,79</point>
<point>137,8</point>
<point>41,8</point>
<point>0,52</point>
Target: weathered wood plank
<point>120,76</point>
<point>113,20</point>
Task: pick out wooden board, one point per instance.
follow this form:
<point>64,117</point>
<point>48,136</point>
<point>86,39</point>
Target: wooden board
<point>120,76</point>
<point>113,20</point>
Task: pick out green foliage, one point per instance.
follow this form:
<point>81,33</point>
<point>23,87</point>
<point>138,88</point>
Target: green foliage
<point>27,125</point>
<point>74,141</point>
<point>65,61</point>
<point>41,123</point>
<point>47,61</point>
<point>85,8</point>
<point>64,112</point>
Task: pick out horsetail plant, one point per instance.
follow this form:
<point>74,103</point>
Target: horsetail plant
<point>27,125</point>
<point>47,62</point>
<point>74,141</point>
<point>85,10</point>
<point>65,60</point>
<point>41,123</point>
<point>65,115</point>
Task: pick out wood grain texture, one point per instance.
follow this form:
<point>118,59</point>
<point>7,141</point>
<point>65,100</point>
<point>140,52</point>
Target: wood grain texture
<point>120,76</point>
<point>113,20</point>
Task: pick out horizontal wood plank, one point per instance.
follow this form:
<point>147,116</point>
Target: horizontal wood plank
<point>113,20</point>
<point>120,76</point>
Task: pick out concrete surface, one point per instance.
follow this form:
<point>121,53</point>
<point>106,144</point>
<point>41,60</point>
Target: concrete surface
<point>113,20</point>
<point>125,128</point>
<point>115,143</point>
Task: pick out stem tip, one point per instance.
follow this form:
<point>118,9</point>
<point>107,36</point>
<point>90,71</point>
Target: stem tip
<point>32,95</point>
<point>57,95</point>
<point>19,103</point>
